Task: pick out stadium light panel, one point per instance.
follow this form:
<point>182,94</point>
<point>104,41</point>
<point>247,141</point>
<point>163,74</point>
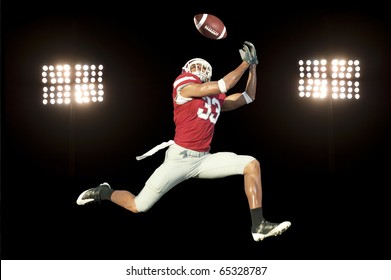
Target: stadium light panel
<point>64,84</point>
<point>338,79</point>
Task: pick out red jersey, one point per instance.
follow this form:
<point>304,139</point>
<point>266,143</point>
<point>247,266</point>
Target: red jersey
<point>195,118</point>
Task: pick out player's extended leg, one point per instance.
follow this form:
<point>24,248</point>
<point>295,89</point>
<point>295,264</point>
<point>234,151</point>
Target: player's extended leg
<point>170,173</point>
<point>156,186</point>
<point>122,198</point>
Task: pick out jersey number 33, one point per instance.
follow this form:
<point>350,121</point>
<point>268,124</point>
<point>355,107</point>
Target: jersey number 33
<point>211,110</point>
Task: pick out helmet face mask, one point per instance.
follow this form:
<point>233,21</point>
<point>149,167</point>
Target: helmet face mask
<point>199,67</point>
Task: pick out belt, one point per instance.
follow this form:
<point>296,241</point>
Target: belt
<point>191,153</point>
<point>186,153</point>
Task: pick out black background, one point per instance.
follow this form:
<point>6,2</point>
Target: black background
<point>324,168</point>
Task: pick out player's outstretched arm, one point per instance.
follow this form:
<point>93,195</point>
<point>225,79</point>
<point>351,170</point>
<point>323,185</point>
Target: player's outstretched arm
<point>236,100</point>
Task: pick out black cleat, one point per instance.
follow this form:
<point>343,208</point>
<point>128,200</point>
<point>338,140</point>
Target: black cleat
<point>91,195</point>
<point>266,229</point>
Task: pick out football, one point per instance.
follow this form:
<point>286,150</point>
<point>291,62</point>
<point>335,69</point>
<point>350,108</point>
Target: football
<point>210,26</point>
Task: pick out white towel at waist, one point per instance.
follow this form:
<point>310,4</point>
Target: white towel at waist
<point>155,149</point>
